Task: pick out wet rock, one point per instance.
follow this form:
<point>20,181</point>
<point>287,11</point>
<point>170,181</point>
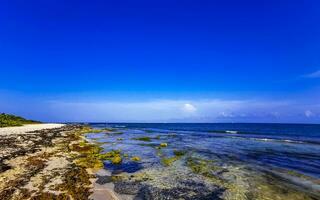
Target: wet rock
<point>103,179</point>
<point>189,191</point>
<point>128,187</point>
<point>116,160</point>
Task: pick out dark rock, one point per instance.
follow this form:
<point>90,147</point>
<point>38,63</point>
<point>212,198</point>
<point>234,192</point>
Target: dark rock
<point>188,191</point>
<point>127,187</point>
<point>103,179</point>
<point>4,167</point>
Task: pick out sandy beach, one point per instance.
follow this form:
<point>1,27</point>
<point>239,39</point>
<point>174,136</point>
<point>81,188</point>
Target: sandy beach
<point>28,128</point>
<point>47,161</point>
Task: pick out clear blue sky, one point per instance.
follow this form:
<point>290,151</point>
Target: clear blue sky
<point>201,61</point>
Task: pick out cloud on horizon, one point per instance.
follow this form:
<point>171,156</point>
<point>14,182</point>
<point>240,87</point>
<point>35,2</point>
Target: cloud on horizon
<point>170,110</point>
<point>315,74</point>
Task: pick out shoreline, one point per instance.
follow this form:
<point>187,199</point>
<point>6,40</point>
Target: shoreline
<point>68,162</point>
<point>28,128</point>
<point>47,161</point>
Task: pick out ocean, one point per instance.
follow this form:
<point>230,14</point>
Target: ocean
<point>279,158</point>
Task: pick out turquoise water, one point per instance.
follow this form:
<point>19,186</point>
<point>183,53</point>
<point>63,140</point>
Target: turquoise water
<point>281,158</point>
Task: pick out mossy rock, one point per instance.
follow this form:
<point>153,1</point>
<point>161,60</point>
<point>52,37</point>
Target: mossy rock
<point>109,155</point>
<point>116,160</point>
<point>90,162</point>
<point>163,145</point>
<point>136,158</point>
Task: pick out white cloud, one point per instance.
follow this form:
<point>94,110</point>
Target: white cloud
<point>308,113</point>
<point>199,110</point>
<point>160,110</point>
<point>189,108</point>
<point>315,74</point>
<point>226,114</point>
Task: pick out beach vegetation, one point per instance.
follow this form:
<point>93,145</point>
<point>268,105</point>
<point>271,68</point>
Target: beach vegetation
<point>12,120</point>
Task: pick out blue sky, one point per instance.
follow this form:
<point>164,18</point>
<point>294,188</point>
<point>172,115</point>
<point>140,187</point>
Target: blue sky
<point>161,61</point>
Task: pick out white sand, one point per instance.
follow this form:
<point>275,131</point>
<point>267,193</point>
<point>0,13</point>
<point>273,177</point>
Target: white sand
<point>27,128</point>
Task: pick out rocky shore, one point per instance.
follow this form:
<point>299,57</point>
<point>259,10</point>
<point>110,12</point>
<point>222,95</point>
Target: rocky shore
<point>55,161</point>
<point>50,163</point>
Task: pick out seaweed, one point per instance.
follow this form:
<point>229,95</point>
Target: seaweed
<point>179,153</point>
<point>145,139</point>
<point>75,183</point>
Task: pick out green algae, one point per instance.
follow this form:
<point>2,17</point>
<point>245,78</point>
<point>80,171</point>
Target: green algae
<point>179,153</point>
<point>110,154</point>
<point>271,187</point>
<point>109,129</point>
<point>116,160</point>
<point>145,139</point>
<point>206,168</point>
<point>114,156</point>
<point>136,158</point>
<point>202,166</point>
<point>167,161</point>
<point>148,145</point>
<point>96,130</point>
<point>88,154</point>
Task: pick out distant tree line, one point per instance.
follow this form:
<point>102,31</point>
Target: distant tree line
<point>12,120</point>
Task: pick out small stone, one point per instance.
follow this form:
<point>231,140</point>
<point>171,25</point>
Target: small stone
<point>163,145</point>
<point>136,158</point>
